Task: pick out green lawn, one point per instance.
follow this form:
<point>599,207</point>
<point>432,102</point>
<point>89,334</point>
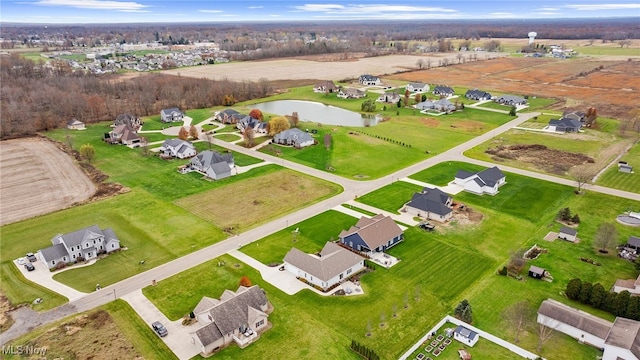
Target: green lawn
<point>238,158</point>
<point>20,291</point>
<point>390,197</point>
<point>623,181</point>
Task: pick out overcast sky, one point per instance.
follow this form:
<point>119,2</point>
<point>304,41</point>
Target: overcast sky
<point>115,11</point>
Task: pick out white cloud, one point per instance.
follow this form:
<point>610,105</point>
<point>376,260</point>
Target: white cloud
<point>599,7</point>
<point>319,7</point>
<point>210,11</point>
<point>371,9</point>
<point>94,4</point>
<point>548,9</point>
<point>256,7</point>
<point>548,13</point>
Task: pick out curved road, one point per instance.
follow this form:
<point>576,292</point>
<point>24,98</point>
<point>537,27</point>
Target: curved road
<point>352,188</point>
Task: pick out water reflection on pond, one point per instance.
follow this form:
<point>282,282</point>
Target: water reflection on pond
<point>317,112</point>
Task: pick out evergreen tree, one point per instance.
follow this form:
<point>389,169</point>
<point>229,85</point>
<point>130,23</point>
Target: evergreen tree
<point>573,289</point>
<point>621,303</point>
<point>609,302</point>
<point>633,308</point>
<point>598,295</point>
<point>585,293</point>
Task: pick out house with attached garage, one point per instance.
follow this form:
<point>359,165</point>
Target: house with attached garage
<point>171,115</point>
<point>123,134</point>
<point>442,105</point>
<point>487,181</point>
<point>510,100</point>
<point>239,317</point>
<point>326,86</point>
<point>369,80</point>
<point>564,125</point>
<point>443,91</point>
<point>333,265</point>
<point>128,119</point>
<point>228,116</point>
<point>618,340</point>
<point>378,233</point>
<point>567,233</point>
<point>417,87</point>
<point>212,164</point>
<point>430,204</point>
<point>259,127</point>
<point>294,137</point>
<point>177,148</point>
<point>351,93</point>
<point>389,98</point>
<point>83,244</point>
<point>476,94</point>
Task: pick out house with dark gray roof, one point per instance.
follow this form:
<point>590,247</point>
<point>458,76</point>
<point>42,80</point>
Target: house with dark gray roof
<point>567,233</point>
<point>442,90</point>
<point>128,119</point>
<point>476,94</point>
<point>171,115</point>
<point>487,181</point>
<point>633,242</point>
<point>212,164</point>
<point>259,127</point>
<point>378,234</point>
<point>294,137</point>
<point>178,148</point>
<point>83,244</point>
<point>333,265</point>
<point>618,340</point>
<point>123,134</point>
<point>369,80</point>
<point>430,204</point>
<point>564,125</point>
<point>238,317</point>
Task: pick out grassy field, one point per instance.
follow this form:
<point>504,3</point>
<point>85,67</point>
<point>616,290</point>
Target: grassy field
<point>265,197</point>
<point>238,158</point>
<point>623,181</point>
<point>122,335</point>
<point>391,197</point>
<point>20,291</point>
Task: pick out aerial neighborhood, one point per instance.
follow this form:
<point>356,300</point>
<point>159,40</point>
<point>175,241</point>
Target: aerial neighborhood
<point>417,199</point>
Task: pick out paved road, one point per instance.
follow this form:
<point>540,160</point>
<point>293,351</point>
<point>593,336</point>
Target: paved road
<point>352,188</point>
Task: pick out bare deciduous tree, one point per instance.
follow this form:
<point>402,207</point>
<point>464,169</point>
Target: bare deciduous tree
<point>183,134</point>
<point>193,132</point>
<point>249,135</point>
<point>516,315</point>
<point>544,334</point>
<point>605,237</point>
<point>582,176</point>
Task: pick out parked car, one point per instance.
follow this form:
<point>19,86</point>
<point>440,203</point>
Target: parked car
<point>159,329</point>
<point>31,257</point>
<point>21,261</point>
<point>29,266</point>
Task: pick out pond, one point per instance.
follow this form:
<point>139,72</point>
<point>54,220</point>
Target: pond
<point>317,112</point>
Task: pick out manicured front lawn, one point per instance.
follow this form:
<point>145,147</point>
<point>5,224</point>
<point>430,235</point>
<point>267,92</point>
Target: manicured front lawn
<point>623,181</point>
<point>20,291</point>
<point>390,197</point>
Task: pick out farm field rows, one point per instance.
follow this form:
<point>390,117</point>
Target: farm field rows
<point>617,180</point>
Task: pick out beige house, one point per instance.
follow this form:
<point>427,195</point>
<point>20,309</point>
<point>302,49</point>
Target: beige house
<point>630,285</point>
<point>430,204</point>
<point>236,317</point>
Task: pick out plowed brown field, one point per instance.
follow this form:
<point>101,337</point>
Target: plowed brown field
<point>613,89</point>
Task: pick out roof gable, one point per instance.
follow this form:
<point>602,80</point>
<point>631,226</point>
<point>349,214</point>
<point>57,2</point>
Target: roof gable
<point>332,261</point>
<point>575,318</point>
<point>375,231</point>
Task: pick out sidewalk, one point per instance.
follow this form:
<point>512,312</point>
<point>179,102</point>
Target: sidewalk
<point>402,217</point>
<point>451,188</point>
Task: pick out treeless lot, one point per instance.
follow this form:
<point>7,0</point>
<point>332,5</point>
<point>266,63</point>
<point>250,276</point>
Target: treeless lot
<point>38,178</point>
<point>582,82</point>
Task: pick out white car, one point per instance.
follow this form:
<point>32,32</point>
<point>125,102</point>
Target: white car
<point>21,261</point>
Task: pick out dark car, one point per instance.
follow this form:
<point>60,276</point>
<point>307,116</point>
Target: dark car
<point>29,266</point>
<point>159,329</point>
<point>31,257</point>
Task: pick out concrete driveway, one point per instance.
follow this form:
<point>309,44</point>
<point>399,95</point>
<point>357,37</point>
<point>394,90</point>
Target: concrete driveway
<point>42,276</point>
<point>178,339</point>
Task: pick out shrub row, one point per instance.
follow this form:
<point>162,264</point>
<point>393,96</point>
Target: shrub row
<point>620,304</point>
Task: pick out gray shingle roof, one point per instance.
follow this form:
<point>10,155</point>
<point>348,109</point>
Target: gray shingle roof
<point>431,200</point>
<point>565,123</point>
<point>293,136</point>
<point>208,158</point>
<point>568,230</point>
<point>54,252</point>
<point>634,241</point>
<point>491,175</point>
<point>576,318</point>
<point>334,260</point>
<point>76,237</point>
<point>209,334</point>
<point>625,333</point>
<point>466,333</point>
<point>536,270</point>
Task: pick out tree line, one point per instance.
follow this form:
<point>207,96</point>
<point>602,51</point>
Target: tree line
<point>36,97</point>
<point>620,304</point>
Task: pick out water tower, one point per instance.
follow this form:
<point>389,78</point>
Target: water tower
<point>532,36</point>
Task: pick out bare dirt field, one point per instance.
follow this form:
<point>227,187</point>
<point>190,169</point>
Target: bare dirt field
<point>318,68</point>
<point>38,178</point>
<point>613,87</point>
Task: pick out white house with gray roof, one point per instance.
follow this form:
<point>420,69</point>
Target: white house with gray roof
<point>431,204</point>
<point>171,115</point>
<point>417,87</point>
<point>618,340</point>
<point>487,181</point>
<point>84,244</point>
<point>294,137</point>
<point>212,164</point>
<point>466,336</point>
<point>510,100</point>
<point>369,80</point>
<point>178,148</point>
<point>238,317</point>
<point>333,265</point>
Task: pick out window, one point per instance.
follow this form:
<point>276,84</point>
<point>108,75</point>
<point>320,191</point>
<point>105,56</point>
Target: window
<point>64,258</point>
<point>53,262</point>
<point>349,271</point>
<point>74,256</point>
<point>340,277</point>
<point>260,323</point>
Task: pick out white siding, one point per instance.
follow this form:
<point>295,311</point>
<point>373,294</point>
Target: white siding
<point>575,333</point>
